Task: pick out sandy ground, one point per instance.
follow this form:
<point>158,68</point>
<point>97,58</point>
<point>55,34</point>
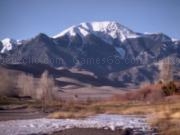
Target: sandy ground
<point>89,92</point>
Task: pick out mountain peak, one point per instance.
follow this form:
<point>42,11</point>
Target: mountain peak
<point>8,44</point>
<point>103,26</point>
<point>41,35</point>
<point>103,29</point>
<point>8,40</point>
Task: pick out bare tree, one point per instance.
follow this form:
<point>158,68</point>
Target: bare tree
<point>45,90</point>
<point>166,71</point>
<point>26,85</point>
<point>7,83</point>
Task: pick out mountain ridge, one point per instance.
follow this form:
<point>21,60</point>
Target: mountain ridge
<point>101,26</point>
<point>108,52</point>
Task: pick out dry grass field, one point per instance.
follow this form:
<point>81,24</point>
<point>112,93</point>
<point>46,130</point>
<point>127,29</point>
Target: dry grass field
<point>163,111</point>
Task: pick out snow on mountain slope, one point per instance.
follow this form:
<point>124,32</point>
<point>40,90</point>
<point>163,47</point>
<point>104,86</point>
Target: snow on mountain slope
<point>105,30</point>
<point>159,36</point>
<point>121,51</point>
<point>111,32</point>
<point>9,44</point>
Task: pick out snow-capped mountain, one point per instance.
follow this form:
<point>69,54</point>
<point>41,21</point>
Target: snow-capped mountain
<point>109,50</point>
<point>106,30</point>
<point>9,44</point>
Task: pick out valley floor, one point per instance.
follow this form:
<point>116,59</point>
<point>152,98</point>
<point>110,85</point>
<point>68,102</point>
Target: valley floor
<point>96,117</point>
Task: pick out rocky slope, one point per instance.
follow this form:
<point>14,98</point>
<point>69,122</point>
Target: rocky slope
<point>107,49</point>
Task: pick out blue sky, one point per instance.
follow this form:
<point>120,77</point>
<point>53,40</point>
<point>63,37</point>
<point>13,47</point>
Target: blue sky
<point>22,19</point>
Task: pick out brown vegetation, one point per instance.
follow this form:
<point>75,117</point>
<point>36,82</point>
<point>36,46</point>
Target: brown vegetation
<point>149,100</point>
<point>26,85</point>
<point>45,91</point>
<point>7,84</point>
<point>169,89</point>
<point>149,93</point>
<point>161,101</point>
